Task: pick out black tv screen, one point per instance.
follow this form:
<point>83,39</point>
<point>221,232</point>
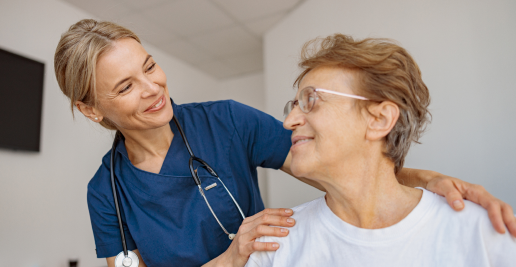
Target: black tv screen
<point>21,97</point>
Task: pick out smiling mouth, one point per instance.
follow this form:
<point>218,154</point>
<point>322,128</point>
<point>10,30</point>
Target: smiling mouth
<point>159,103</point>
<point>301,141</point>
<point>156,106</point>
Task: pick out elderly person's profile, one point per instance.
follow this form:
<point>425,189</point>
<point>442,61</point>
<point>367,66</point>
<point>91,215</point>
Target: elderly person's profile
<point>359,106</point>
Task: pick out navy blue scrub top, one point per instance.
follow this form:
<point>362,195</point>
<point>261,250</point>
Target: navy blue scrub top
<point>164,215</point>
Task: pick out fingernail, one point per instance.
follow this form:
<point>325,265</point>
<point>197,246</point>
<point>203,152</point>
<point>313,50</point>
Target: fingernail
<point>290,220</point>
<point>288,211</point>
<point>284,230</point>
<point>275,245</point>
<point>457,204</point>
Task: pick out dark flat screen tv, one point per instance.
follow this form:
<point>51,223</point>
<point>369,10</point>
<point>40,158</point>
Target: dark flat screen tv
<point>21,100</point>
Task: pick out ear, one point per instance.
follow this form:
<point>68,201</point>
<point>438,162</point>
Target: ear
<point>89,112</point>
<point>382,118</point>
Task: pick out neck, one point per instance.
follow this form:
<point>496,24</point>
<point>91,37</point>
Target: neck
<point>365,193</point>
<point>142,145</point>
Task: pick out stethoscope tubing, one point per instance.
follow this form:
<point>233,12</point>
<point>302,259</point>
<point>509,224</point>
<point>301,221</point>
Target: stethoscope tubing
<point>115,195</point>
<point>194,176</point>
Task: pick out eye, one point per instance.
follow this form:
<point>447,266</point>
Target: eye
<point>151,67</point>
<point>125,89</point>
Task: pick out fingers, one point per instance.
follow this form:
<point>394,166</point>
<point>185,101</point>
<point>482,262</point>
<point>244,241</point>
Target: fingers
<point>453,196</point>
<point>260,227</point>
<point>454,199</point>
<point>499,212</point>
<point>265,230</point>
<point>509,219</point>
<point>275,212</point>
<point>479,195</point>
<point>275,217</point>
<point>494,211</point>
<point>251,247</point>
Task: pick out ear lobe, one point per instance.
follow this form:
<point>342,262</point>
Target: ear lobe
<point>89,112</point>
<point>383,117</point>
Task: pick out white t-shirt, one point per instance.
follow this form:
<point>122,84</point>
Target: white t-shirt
<point>431,235</point>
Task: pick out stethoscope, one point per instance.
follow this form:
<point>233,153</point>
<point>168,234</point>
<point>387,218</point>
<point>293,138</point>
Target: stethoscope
<point>127,258</point>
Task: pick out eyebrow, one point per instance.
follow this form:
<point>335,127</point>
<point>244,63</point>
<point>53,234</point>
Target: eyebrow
<point>124,80</point>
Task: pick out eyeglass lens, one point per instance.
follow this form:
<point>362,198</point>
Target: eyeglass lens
<point>306,101</point>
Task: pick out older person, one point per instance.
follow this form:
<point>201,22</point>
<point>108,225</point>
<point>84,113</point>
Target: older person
<point>111,79</point>
<point>359,107</point>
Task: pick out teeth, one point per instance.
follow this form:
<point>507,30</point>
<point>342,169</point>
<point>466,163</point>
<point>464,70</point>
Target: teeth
<point>159,103</point>
<point>302,140</point>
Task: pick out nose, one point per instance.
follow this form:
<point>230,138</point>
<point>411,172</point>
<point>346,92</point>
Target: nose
<point>295,118</point>
<point>149,87</point>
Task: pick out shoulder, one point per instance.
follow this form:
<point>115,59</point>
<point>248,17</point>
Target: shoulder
<point>228,112</point>
<point>99,185</point>
<point>303,215</point>
<point>471,212</point>
<point>473,220</point>
<point>218,107</point>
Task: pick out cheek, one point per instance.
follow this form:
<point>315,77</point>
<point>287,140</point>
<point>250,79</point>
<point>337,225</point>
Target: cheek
<point>121,109</point>
<point>338,135</point>
<point>160,78</point>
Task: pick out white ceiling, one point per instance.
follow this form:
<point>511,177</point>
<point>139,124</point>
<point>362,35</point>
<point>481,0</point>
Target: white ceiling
<point>220,37</point>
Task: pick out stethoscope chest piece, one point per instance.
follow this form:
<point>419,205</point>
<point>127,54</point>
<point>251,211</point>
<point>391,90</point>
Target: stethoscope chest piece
<point>130,261</point>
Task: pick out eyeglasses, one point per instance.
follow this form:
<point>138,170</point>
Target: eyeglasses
<point>307,98</point>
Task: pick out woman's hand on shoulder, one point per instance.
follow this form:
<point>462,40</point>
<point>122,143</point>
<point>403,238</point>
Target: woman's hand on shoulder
<point>258,225</point>
<point>455,190</point>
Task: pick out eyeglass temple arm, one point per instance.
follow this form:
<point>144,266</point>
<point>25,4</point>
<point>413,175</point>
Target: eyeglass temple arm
<point>341,94</point>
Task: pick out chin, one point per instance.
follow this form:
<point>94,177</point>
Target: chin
<point>299,168</point>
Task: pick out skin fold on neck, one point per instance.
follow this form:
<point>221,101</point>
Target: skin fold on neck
<point>364,192</point>
<point>147,149</point>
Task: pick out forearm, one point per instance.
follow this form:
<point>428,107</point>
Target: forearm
<point>415,177</point>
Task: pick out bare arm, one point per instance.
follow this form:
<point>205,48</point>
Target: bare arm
<point>111,260</point>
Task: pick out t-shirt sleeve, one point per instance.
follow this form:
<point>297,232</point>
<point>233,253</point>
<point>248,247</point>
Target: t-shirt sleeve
<point>501,247</point>
<point>264,137</point>
<point>261,258</point>
<point>104,221</point>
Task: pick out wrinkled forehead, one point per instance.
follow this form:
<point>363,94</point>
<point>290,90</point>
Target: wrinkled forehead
<point>330,78</point>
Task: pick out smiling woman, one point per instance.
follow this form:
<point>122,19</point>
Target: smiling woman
<point>352,137</point>
<point>110,78</point>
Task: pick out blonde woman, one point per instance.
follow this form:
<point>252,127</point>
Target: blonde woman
<point>359,106</point>
<point>109,77</point>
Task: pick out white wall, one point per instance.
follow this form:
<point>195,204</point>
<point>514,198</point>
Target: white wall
<point>43,212</point>
<point>466,51</point>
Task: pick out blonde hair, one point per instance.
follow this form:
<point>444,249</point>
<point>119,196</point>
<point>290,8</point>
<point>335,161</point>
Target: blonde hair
<point>385,72</point>
<point>76,58</point>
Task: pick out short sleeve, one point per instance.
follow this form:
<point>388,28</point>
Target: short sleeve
<point>261,258</point>
<point>501,247</point>
<point>267,142</point>
<point>104,220</point>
